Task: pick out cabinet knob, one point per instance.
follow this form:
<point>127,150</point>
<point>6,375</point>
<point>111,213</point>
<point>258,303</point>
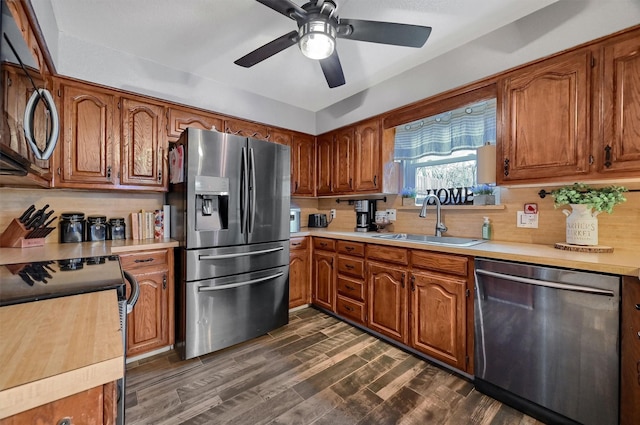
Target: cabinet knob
<point>146,260</point>
<point>607,156</point>
<point>164,281</point>
<point>349,248</point>
<point>349,266</point>
<point>64,421</point>
<point>637,306</point>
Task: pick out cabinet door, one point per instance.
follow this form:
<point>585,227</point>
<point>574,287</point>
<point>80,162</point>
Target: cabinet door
<point>620,148</point>
<point>302,166</point>
<point>387,300</point>
<point>148,323</point>
<point>17,91</point>
<point>324,150</point>
<point>246,129</point>
<point>181,119</point>
<point>88,137</point>
<point>323,291</point>
<point>630,358</point>
<point>368,168</point>
<point>546,117</point>
<point>438,317</point>
<point>343,161</point>
<point>298,273</point>
<point>144,146</point>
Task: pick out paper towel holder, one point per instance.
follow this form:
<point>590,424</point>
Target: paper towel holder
<point>486,164</point>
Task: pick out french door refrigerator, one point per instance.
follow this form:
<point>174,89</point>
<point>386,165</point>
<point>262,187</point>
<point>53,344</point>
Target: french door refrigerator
<point>230,214</point>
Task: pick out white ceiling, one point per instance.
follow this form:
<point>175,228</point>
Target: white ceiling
<point>184,50</point>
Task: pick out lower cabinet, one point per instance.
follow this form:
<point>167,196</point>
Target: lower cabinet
<point>96,406</point>
<point>323,275</point>
<point>388,313</point>
<point>299,272</point>
<point>350,285</point>
<point>438,319</point>
<point>630,357</point>
<point>150,325</point>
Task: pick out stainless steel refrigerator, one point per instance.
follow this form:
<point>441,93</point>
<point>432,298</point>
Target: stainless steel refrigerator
<point>231,216</point>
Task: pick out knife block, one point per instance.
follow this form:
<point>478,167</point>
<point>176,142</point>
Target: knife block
<point>14,236</point>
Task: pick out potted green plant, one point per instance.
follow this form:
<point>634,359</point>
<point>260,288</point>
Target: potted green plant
<point>408,195</point>
<point>586,203</point>
<point>483,195</point>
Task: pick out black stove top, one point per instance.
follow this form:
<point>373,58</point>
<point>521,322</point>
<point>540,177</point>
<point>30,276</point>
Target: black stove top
<point>39,280</point>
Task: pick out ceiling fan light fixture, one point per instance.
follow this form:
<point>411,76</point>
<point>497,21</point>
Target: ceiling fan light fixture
<point>317,39</point>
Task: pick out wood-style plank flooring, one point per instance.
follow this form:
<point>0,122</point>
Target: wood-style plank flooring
<point>316,370</point>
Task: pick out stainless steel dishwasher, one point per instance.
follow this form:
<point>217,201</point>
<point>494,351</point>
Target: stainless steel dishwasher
<point>547,341</point>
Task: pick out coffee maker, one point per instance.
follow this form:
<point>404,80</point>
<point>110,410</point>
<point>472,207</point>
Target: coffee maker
<point>365,215</point>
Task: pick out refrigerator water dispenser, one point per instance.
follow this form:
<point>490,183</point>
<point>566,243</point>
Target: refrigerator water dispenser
<point>212,203</point>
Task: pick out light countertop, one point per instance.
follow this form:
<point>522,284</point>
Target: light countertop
<point>55,348</point>
<point>620,261</point>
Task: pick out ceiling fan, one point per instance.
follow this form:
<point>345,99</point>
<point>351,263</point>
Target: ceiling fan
<point>318,28</point>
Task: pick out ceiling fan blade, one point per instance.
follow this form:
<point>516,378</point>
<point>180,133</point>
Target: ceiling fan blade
<point>332,70</point>
<point>384,32</point>
<point>268,50</point>
<point>286,7</point>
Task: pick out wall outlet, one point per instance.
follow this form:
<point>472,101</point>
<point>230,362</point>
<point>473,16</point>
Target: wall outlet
<point>333,213</point>
<point>527,220</point>
<point>391,214</point>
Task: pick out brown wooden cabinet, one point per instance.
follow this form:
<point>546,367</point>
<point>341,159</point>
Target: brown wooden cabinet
<point>88,151</point>
<point>324,164</point>
<point>180,119</point>
<point>546,110</point>
<point>323,274</point>
<point>630,352</point>
<point>95,406</point>
<point>303,161</point>
<point>144,147</point>
<point>438,317</point>
<point>299,275</point>
<point>350,283</point>
<point>151,323</point>
<point>343,160</point>
<point>246,129</point>
<point>367,157</point>
<point>387,300</point>
<point>619,148</point>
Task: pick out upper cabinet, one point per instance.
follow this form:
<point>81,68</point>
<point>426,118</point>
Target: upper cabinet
<point>546,110</point>
<point>302,165</point>
<point>349,160</point>
<point>181,118</point>
<point>573,116</point>
<point>89,137</point>
<point>144,147</point>
<point>618,150</point>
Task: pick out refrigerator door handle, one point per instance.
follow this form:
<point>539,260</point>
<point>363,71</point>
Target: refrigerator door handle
<point>252,191</point>
<point>244,192</point>
<point>242,254</point>
<point>236,285</point>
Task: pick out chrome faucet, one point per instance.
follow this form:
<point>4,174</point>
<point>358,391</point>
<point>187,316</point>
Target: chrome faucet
<point>440,227</point>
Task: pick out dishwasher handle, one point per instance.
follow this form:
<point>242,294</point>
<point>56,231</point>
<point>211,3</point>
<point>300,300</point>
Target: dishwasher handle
<point>548,284</point>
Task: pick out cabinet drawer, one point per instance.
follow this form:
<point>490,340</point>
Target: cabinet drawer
<point>351,248</point>
<point>324,244</point>
<point>388,254</point>
<point>351,309</point>
<point>351,266</point>
<point>351,288</point>
<point>143,259</point>
<point>446,263</point>
<point>297,243</point>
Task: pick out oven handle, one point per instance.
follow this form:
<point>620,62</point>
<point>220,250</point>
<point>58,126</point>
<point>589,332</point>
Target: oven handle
<point>236,285</point>
<point>242,254</point>
<point>135,290</point>
<point>548,284</point>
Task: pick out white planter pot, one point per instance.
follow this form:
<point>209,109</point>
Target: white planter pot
<point>582,225</point>
<point>484,199</point>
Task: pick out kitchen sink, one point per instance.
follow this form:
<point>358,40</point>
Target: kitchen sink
<point>434,240</point>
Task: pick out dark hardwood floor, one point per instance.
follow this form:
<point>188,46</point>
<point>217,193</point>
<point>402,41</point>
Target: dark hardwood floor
<point>316,370</point>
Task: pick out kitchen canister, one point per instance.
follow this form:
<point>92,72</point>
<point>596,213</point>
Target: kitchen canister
<point>116,229</point>
<point>71,227</point>
<point>96,228</point>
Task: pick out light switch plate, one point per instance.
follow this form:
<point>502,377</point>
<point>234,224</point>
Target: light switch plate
<point>391,214</point>
<point>529,221</point>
